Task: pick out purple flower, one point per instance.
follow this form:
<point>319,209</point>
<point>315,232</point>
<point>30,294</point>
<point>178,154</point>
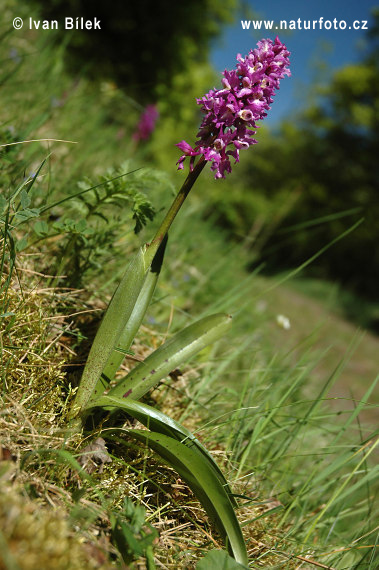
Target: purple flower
<point>231,113</point>
<point>146,123</point>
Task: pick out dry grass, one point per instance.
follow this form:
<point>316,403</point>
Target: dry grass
<point>38,500</point>
<point>43,351</point>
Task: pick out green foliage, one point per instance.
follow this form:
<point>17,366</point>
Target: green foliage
<point>148,43</point>
<point>15,210</point>
<point>113,323</point>
<point>96,216</point>
<point>92,220</point>
<point>196,470</point>
<point>115,190</point>
<point>173,353</point>
<point>161,423</point>
<point>132,535</point>
<point>218,560</point>
<point>304,186</point>
<point>190,459</point>
<point>135,320</point>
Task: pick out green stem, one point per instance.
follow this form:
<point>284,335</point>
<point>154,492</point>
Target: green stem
<point>174,209</point>
<point>122,303</point>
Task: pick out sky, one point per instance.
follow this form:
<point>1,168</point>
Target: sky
<point>314,53</point>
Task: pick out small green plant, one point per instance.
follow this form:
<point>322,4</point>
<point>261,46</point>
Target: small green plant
<point>95,218</point>
<point>132,536</point>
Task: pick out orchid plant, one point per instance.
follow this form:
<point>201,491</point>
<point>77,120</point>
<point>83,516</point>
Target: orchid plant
<point>228,126</point>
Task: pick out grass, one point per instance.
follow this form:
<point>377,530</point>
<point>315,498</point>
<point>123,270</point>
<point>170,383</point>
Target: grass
<point>286,413</point>
<point>296,468</point>
<point>362,312</point>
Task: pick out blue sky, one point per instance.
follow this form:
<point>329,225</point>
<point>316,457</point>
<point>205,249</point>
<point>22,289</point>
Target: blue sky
<point>314,53</point>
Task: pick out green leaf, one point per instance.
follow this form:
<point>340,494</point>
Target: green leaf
<point>85,189</point>
<point>119,310</point>
<point>170,355</point>
<point>133,537</point>
<point>27,214</point>
<point>81,225</point>
<point>199,475</point>
<point>41,228</point>
<point>218,560</point>
<point>22,243</point>
<point>158,421</point>
<point>24,199</point>
<point>138,313</point>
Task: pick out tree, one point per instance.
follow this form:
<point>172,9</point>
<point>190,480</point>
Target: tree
<point>142,44</point>
<point>328,160</point>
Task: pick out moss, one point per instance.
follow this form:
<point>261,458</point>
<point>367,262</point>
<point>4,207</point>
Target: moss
<point>34,537</point>
<point>33,357</point>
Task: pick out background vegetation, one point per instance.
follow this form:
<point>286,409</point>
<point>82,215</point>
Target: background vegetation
<point>302,465</point>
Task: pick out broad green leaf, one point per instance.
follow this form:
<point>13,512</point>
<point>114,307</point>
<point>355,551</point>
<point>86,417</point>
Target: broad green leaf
<point>27,214</point>
<point>138,313</point>
<point>81,225</point>
<point>199,474</point>
<point>41,228</point>
<point>119,310</point>
<point>158,421</point>
<point>24,199</point>
<point>22,243</point>
<point>171,354</point>
<point>218,560</point>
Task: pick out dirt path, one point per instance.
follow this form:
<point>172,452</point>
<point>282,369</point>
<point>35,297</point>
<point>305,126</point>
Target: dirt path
<point>330,336</point>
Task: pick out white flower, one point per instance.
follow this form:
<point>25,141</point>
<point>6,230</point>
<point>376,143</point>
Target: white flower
<point>283,322</point>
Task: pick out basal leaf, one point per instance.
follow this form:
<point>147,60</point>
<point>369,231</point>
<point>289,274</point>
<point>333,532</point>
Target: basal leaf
<point>159,422</point>
<point>199,474</point>
<point>138,313</point>
<point>119,310</point>
<point>170,355</point>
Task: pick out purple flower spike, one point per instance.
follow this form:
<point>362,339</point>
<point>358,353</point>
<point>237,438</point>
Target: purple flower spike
<point>231,113</point>
<point>146,123</point>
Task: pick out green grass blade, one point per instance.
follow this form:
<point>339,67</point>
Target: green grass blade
<point>361,405</point>
<point>119,310</point>
<point>338,492</point>
<point>171,354</point>
<point>161,423</point>
<point>198,473</point>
